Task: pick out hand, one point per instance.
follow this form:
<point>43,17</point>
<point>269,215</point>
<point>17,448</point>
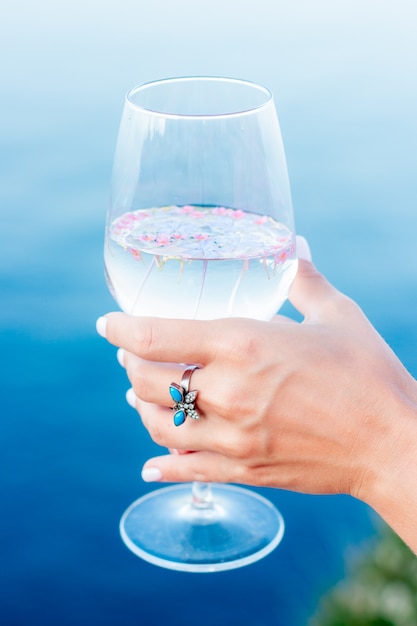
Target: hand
<point>313,407</point>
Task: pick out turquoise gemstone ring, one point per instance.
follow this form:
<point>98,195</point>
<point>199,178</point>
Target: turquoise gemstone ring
<point>184,398</point>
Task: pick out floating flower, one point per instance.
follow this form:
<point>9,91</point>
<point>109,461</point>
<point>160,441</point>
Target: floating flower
<point>201,236</point>
<point>163,240</point>
<point>140,215</point>
<point>135,253</point>
<point>262,219</point>
<point>219,210</point>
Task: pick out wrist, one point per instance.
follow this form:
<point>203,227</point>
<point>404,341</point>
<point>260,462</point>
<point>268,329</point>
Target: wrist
<point>389,481</point>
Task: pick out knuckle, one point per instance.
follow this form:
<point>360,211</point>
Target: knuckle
<point>157,433</point>
<point>145,338</point>
<point>248,448</point>
<point>256,473</point>
<point>201,476</point>
<point>230,446</point>
<point>247,475</point>
<point>340,304</point>
<point>240,447</point>
<point>141,387</point>
<point>237,342</point>
<point>228,401</point>
<point>244,347</point>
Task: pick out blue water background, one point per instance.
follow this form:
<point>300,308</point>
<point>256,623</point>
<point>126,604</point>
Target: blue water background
<point>344,80</point>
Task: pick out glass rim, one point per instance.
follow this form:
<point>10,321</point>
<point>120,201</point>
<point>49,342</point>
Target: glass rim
<point>198,116</point>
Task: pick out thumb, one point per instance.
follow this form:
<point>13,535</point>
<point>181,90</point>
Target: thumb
<point>310,288</point>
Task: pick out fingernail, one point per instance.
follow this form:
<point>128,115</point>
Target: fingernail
<point>131,398</point>
<point>120,356</point>
<point>151,474</point>
<point>303,249</point>
<point>101,324</point>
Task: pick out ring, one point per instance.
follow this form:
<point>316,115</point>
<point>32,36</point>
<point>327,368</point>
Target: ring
<point>184,398</point>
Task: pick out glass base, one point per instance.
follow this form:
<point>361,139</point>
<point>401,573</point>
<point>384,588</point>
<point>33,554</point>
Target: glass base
<point>234,528</point>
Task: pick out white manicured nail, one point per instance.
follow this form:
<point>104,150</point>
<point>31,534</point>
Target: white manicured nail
<point>101,324</point>
<point>303,249</point>
<point>151,474</point>
<point>131,398</point>
<point>120,356</point>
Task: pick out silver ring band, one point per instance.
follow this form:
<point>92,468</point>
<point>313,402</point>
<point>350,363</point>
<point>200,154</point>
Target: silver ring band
<point>186,377</point>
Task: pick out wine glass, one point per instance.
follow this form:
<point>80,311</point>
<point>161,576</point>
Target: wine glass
<point>200,225</point>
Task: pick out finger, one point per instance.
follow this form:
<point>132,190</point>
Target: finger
<point>192,435</point>
<point>310,290</point>
<point>199,466</point>
<point>158,421</point>
<point>162,339</point>
<point>150,380</point>
<point>282,319</point>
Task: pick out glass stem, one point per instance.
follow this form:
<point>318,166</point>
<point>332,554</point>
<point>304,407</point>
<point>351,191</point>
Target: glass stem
<point>202,496</point>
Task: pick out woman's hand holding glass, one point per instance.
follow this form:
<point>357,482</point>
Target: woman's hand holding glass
<point>322,406</point>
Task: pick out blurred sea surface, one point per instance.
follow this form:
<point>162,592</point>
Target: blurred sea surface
<point>343,78</point>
